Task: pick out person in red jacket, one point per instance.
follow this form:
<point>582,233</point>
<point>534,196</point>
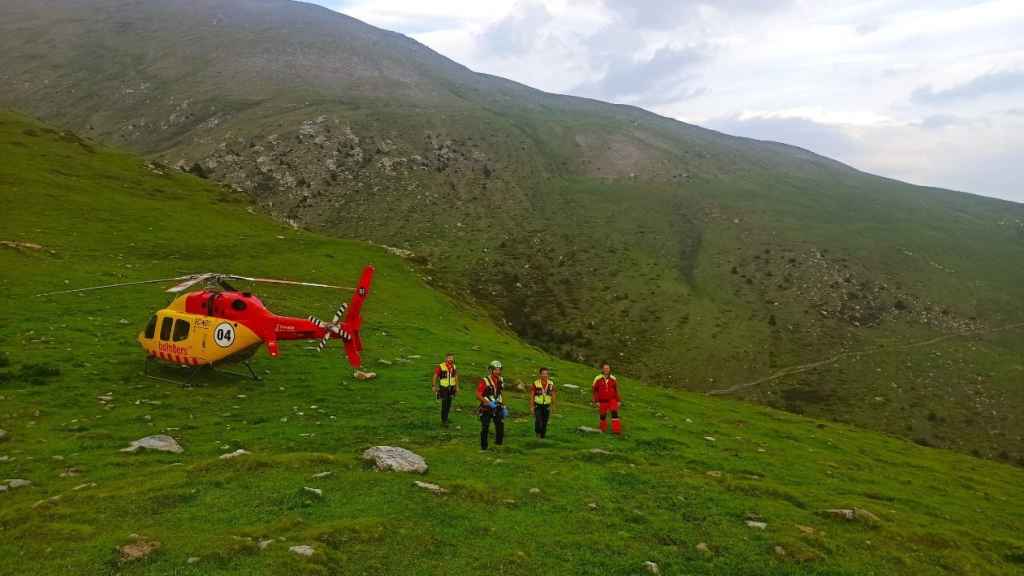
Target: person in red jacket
<point>606,398</point>
<point>492,405</point>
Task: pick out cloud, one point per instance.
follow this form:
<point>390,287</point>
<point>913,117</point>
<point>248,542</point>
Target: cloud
<point>1009,81</point>
<point>917,152</point>
<point>667,14</point>
<point>519,32</point>
<point>826,139</point>
<point>670,74</point>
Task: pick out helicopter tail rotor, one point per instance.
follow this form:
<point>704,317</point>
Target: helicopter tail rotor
<point>354,320</point>
<point>347,321</point>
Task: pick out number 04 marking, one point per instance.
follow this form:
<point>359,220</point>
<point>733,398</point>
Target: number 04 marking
<point>224,335</point>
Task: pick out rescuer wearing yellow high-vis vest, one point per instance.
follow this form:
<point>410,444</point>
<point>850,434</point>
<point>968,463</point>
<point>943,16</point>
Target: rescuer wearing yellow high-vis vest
<point>542,401</point>
<point>446,385</point>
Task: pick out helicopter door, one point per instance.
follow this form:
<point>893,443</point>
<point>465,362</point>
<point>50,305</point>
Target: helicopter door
<point>165,328</point>
<point>150,328</point>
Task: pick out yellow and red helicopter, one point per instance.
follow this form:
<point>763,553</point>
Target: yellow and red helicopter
<point>221,325</point>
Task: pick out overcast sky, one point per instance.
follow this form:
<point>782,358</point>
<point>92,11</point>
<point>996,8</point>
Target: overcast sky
<point>928,91</point>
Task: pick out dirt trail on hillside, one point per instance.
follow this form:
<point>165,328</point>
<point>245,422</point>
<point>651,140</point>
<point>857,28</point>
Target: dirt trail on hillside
<point>805,367</point>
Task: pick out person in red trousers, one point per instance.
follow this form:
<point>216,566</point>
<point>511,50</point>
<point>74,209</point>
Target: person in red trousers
<point>606,398</point>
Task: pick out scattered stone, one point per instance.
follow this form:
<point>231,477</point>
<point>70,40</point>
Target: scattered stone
<point>302,550</point>
<point>806,529</point>
<point>320,475</point>
<point>780,551</point>
<point>138,549</point>
<point>15,483</point>
<point>852,514</point>
<point>159,442</point>
<point>360,375</point>
<point>4,436</point>
<point>651,567</point>
<point>756,524</point>
<point>509,501</point>
<point>315,491</point>
<point>599,451</point>
<point>3,488</point>
<point>84,486</point>
<point>384,362</point>
<point>396,459</point>
<point>234,454</point>
<point>71,472</point>
<point>534,490</point>
<point>709,438</point>
<point>193,559</point>
<point>714,473</point>
<point>431,487</point>
<point>703,548</point>
<point>588,430</point>
<point>592,505</point>
<point>570,387</point>
<point>21,245</point>
<point>264,543</point>
<point>50,500</point>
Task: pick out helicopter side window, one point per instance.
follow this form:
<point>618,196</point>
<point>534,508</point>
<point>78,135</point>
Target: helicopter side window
<point>238,305</point>
<point>151,328</point>
<point>181,330</point>
<point>165,328</point>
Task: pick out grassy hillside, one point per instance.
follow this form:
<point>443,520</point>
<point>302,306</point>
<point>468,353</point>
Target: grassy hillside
<point>692,258</point>
<point>690,470</point>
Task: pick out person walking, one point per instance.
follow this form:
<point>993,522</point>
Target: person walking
<point>446,385</point>
<point>492,406</point>
<point>542,402</point>
<point>607,399</point>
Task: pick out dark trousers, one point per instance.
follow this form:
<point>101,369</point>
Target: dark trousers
<point>446,393</point>
<point>541,414</point>
<point>485,426</point>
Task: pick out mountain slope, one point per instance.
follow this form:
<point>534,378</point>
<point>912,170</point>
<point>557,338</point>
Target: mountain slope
<point>595,231</point>
<point>690,469</point>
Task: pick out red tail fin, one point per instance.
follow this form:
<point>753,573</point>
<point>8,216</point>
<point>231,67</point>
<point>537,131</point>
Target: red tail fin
<point>353,319</point>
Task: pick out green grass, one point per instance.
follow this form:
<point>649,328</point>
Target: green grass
<point>103,216</point>
<point>693,259</point>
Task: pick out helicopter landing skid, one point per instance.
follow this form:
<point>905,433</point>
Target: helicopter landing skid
<point>193,370</point>
<point>187,382</point>
<point>252,374</point>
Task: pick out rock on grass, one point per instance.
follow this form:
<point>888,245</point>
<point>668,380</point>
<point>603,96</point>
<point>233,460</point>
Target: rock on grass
<point>852,515</point>
<point>430,487</point>
<point>395,459</point>
<point>141,548</point>
<point>159,442</point>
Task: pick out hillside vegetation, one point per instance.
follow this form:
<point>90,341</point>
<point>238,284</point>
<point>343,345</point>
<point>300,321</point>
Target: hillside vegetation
<point>594,231</point>
<point>679,489</point>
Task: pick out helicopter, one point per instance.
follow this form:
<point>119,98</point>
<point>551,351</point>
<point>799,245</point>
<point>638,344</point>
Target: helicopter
<point>222,325</point>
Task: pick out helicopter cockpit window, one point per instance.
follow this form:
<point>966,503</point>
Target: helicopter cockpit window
<point>151,328</point>
<point>181,330</point>
<point>165,328</point>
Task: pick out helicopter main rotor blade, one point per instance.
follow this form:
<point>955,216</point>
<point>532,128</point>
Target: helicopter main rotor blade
<point>118,285</point>
<point>189,282</point>
<point>286,282</point>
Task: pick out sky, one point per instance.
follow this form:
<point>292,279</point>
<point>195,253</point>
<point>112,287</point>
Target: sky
<point>926,91</point>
